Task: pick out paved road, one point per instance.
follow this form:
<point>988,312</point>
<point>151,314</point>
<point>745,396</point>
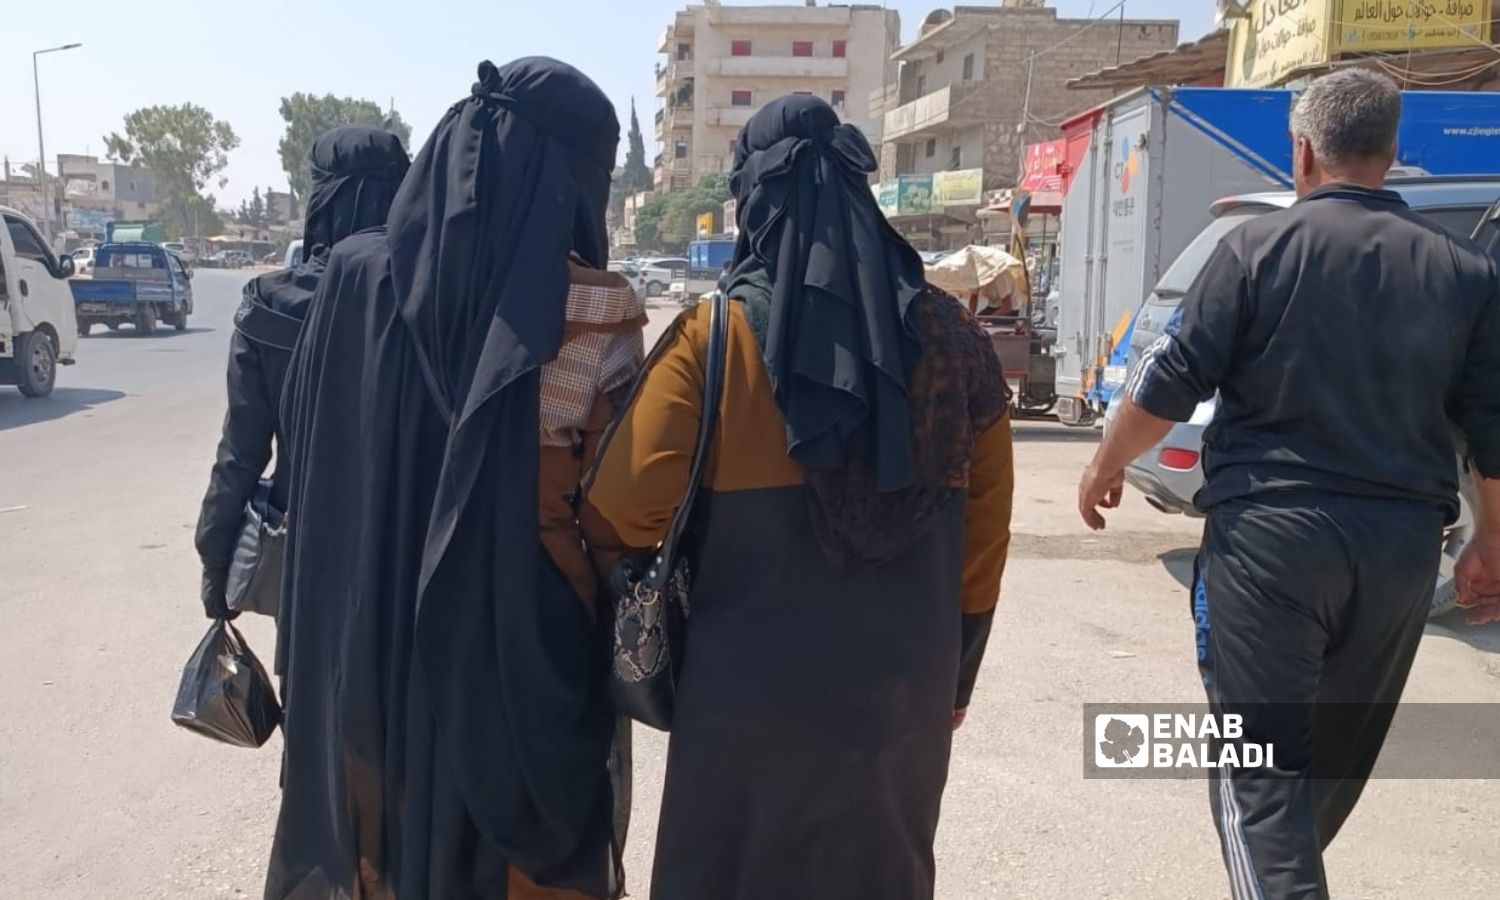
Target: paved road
<point>101,797</point>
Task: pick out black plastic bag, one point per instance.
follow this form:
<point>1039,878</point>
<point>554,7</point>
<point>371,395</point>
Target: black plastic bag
<point>225,693</point>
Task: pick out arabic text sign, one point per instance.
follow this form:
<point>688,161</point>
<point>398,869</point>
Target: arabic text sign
<point>961,187</point>
<point>1277,39</point>
<point>1362,25</point>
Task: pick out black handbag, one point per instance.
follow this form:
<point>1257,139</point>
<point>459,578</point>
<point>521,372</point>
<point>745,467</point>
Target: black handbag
<point>651,608</point>
<point>253,583</point>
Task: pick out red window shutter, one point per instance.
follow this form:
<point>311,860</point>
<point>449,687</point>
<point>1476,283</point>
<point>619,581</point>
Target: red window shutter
<point>802,48</point>
<point>840,49</point>
<point>739,48</point>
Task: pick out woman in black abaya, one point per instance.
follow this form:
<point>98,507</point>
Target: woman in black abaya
<point>447,734</point>
<point>355,173</point>
<point>849,563</point>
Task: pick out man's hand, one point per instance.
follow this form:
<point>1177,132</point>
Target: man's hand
<point>1099,490</point>
<point>1478,577</point>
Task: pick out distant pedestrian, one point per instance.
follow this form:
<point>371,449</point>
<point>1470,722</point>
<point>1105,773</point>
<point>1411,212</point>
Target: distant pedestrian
<point>1340,335</point>
<point>355,173</point>
<point>860,489</point>
<point>447,730</point>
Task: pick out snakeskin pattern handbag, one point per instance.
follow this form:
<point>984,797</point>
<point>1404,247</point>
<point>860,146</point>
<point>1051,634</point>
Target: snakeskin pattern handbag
<point>651,593</point>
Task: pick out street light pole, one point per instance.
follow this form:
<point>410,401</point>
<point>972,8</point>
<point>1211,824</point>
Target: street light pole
<point>41,148</point>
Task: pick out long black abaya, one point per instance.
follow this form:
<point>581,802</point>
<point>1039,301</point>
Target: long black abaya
<point>447,718</point>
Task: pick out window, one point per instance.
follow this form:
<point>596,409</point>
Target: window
<point>28,244</point>
<point>803,93</point>
<point>684,51</point>
<point>120,259</point>
<point>739,48</point>
<point>682,150</point>
<point>840,49</point>
<point>921,85</point>
<point>940,57</point>
<point>931,147</point>
<point>969,67</point>
<point>802,48</point>
<point>1459,221</point>
<point>741,98</point>
<point>104,185</point>
<point>838,99</point>
<point>956,158</point>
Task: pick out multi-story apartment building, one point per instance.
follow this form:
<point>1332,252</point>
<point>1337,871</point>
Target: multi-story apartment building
<point>723,63</point>
<point>96,193</point>
<point>981,82</point>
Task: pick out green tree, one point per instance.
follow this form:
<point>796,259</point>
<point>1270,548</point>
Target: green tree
<point>637,175</point>
<point>669,221</point>
<point>307,116</point>
<point>185,148</point>
<point>254,212</point>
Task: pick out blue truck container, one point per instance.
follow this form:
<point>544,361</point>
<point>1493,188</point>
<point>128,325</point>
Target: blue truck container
<point>134,283</point>
<point>1156,161</point>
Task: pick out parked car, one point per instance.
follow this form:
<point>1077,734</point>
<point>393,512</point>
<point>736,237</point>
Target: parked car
<point>83,261</point>
<point>229,259</point>
<point>1171,473</point>
<point>37,329</point>
<point>656,275</point>
<point>134,284</point>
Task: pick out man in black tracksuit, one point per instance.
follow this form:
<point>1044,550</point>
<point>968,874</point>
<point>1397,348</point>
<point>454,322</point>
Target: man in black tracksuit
<point>1345,336</point>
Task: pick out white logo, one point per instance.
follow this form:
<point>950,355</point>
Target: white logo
<point>1121,742</point>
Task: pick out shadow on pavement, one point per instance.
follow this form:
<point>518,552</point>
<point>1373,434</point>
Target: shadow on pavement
<point>129,333</point>
<point>1040,431</point>
<point>1484,638</point>
<point>1179,564</point>
<point>16,410</point>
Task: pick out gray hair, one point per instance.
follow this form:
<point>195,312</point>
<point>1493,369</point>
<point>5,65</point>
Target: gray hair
<point>1349,116</point>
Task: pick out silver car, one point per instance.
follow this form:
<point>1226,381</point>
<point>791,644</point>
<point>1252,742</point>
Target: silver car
<point>1171,473</point>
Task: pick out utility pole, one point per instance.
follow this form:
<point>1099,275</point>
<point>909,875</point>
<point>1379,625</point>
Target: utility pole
<point>41,148</point>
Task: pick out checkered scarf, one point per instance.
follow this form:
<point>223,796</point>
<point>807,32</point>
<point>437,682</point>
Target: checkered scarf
<point>602,350</point>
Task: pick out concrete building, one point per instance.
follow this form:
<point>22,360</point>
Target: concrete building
<point>723,63</point>
<point>96,193</point>
<point>972,72</point>
<point>634,203</point>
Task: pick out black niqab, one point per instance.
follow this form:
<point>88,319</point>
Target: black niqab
<point>839,344</point>
<point>447,718</point>
<point>355,173</point>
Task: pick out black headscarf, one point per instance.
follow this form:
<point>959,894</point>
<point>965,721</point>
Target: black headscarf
<point>355,172</point>
<point>839,341</point>
<point>447,716</point>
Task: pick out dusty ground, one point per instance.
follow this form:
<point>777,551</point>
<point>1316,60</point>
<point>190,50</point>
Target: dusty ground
<point>100,796</point>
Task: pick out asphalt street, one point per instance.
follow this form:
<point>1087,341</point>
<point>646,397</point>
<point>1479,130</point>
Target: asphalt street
<point>101,796</point>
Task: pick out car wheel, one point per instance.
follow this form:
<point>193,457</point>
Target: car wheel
<point>145,321</point>
<point>36,360</point>
<point>1455,539</point>
<point>654,288</point>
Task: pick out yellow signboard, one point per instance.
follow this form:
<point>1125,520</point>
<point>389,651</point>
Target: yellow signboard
<point>705,224</point>
<point>960,187</point>
<point>1277,39</point>
<point>1364,25</point>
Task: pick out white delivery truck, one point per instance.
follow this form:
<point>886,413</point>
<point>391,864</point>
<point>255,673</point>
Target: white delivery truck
<point>1156,159</point>
<point>38,330</point>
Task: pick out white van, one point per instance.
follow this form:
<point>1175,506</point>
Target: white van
<point>38,328</point>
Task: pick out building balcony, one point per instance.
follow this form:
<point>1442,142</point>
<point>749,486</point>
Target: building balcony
<point>778,67</point>
<point>730,116</point>
<point>779,16</point>
<point>944,109</point>
<point>673,75</point>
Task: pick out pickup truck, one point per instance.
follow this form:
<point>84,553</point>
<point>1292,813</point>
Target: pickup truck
<point>36,313</point>
<point>134,283</point>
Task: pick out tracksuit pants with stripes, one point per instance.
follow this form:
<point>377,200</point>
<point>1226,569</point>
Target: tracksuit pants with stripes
<point>1308,610</point>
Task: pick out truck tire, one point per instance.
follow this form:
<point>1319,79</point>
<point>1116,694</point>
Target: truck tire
<point>178,319</point>
<point>84,327</point>
<point>145,321</point>
<point>36,364</point>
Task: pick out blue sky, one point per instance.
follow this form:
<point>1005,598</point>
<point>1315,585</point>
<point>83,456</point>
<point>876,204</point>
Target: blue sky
<point>238,59</point>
